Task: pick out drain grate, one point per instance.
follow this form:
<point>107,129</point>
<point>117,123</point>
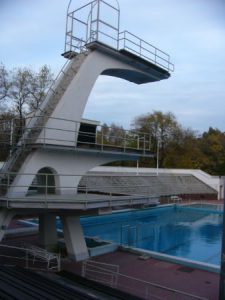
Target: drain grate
<point>185,269</point>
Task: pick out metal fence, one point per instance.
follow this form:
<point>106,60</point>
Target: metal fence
<point>100,21</point>
<point>65,132</point>
<point>30,257</point>
<point>110,275</point>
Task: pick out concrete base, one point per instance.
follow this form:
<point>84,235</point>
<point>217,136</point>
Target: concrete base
<point>74,238</point>
<point>5,219</point>
<point>47,231</point>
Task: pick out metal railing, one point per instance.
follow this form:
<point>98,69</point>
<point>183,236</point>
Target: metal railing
<point>30,257</point>
<point>58,131</point>
<point>89,24</point>
<point>109,274</point>
<point>46,185</point>
<point>145,50</point>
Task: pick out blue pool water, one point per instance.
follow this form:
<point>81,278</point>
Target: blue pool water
<point>185,232</point>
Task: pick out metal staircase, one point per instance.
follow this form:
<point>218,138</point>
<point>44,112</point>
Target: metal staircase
<point>39,119</point>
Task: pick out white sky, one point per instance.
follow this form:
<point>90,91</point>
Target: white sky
<point>32,34</point>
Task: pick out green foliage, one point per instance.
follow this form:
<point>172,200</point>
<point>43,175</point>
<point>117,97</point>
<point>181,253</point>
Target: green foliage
<point>212,144</point>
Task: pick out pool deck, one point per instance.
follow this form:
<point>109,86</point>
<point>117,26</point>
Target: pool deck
<point>198,282</point>
<point>171,275</point>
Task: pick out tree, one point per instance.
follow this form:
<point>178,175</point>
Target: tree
<point>113,135</point>
<point>39,84</point>
<point>184,151</point>
<point>213,146</point>
<point>20,91</point>
<point>162,128</point>
<point>23,88</point>
<point>4,84</point>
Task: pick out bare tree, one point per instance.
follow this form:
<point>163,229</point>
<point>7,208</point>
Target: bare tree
<point>39,84</point>
<point>20,90</point>
<point>4,83</point>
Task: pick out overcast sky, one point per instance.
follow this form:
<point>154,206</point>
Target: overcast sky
<point>32,34</point>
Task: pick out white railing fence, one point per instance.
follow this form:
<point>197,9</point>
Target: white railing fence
<point>100,21</point>
<point>110,275</point>
<point>63,132</point>
<point>30,257</point>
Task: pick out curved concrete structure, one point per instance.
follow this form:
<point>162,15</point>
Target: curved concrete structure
<point>49,145</point>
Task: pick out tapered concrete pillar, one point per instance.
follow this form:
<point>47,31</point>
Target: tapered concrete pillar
<point>48,231</point>
<point>74,238</point>
<point>5,219</point>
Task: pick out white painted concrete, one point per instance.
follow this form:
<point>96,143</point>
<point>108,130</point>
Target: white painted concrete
<point>47,231</point>
<point>68,167</point>
<point>5,219</point>
<point>74,99</point>
<point>74,238</point>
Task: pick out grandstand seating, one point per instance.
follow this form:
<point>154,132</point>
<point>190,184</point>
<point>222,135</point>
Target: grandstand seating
<point>151,185</point>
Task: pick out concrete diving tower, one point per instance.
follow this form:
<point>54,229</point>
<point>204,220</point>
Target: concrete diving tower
<point>58,147</point>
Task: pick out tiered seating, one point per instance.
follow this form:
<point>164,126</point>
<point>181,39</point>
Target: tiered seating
<point>151,185</point>
<point>20,284</point>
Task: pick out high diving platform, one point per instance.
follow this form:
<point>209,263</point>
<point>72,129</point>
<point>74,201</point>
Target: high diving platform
<point>52,149</point>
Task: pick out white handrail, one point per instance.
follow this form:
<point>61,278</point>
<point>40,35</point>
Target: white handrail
<point>53,260</point>
<point>99,268</point>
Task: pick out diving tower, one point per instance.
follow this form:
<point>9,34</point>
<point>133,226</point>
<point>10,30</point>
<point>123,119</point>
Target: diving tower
<point>58,147</point>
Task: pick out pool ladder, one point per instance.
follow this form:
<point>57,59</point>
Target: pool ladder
<point>129,235</point>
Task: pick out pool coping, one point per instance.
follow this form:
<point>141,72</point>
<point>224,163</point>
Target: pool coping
<point>173,259</point>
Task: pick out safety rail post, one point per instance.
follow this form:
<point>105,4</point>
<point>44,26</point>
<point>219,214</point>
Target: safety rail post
<point>44,135</point>
<point>144,144</point>
<point>46,190</point>
<point>11,136</point>
<point>102,139</point>
<point>140,47</point>
<point>86,190</point>
<point>147,292</point>
<point>98,15</point>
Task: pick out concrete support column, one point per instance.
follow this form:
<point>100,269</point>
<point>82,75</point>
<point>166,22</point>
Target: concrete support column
<point>47,231</point>
<point>74,238</point>
<point>5,219</point>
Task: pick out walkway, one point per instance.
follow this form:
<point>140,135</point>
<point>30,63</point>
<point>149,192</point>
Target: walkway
<point>197,282</point>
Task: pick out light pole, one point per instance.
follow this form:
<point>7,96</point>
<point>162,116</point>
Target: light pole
<point>157,156</point>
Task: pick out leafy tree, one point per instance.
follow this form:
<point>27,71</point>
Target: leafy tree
<point>161,127</point>
<point>184,151</point>
<point>111,135</point>
<point>212,145</point>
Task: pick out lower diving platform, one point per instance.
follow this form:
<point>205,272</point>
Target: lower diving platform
<point>80,202</point>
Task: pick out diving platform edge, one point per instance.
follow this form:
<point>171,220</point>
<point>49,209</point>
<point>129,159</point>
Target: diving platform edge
<point>144,71</point>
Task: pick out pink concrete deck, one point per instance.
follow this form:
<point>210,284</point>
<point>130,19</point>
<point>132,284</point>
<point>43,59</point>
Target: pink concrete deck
<point>197,282</point>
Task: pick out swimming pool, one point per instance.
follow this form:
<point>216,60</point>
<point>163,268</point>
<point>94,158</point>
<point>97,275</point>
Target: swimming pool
<point>186,232</point>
